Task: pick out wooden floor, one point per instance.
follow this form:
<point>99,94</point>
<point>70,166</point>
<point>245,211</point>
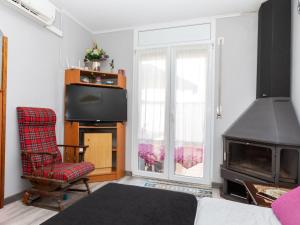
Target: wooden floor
<point>18,214</point>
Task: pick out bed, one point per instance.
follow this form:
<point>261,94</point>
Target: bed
<point>212,211</point>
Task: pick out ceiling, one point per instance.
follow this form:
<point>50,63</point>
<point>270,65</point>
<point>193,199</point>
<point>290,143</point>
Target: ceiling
<point>99,15</point>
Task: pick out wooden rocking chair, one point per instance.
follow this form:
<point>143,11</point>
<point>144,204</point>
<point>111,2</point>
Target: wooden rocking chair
<point>42,161</point>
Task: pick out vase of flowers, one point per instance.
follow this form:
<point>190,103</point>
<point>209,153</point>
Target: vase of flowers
<point>94,56</point>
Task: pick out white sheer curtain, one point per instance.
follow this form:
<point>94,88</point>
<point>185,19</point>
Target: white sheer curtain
<point>187,82</point>
<point>191,69</point>
<point>152,94</point>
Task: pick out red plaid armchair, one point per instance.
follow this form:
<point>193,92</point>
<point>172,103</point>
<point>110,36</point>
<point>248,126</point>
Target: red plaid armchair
<point>41,159</point>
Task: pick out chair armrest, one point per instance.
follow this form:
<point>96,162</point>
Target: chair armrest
<point>74,147</point>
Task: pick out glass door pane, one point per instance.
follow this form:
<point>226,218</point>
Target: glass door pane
<point>152,102</point>
<point>191,69</point>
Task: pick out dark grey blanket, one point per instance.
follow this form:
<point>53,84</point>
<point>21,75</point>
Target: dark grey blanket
<point>117,204</point>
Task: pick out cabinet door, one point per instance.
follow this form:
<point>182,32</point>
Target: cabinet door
<point>99,152</point>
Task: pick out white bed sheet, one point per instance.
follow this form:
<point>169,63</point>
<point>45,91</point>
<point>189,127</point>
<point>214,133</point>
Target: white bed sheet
<point>212,211</point>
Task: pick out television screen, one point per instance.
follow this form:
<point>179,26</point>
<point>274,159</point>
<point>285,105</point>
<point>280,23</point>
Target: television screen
<point>98,104</point>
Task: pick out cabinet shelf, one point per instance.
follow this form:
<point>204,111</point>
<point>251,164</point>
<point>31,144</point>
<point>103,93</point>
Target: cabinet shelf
<point>97,85</point>
<point>77,77</point>
<point>96,127</point>
<point>91,72</point>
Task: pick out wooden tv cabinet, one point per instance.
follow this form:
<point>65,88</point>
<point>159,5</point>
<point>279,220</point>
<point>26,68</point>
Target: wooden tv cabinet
<point>106,141</point>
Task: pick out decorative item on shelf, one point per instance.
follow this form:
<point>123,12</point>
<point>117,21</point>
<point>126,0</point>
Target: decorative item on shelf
<point>108,82</point>
<point>94,56</point>
<point>85,79</point>
<point>112,65</point>
<point>98,80</point>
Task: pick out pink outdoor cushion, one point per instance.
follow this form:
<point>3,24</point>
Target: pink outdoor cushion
<point>287,207</point>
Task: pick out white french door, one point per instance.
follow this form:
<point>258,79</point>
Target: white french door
<point>171,126</point>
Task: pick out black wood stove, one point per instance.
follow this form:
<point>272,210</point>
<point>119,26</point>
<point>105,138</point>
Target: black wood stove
<point>263,145</point>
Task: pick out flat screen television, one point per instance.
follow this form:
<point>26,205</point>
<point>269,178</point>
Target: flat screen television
<point>95,104</point>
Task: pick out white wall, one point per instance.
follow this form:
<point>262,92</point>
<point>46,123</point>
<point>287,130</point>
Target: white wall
<point>239,73</point>
<point>295,58</point>
<point>35,77</point>
<point>239,65</point>
<point>119,46</point>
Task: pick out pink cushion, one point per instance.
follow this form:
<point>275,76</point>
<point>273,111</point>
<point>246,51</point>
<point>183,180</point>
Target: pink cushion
<point>287,207</point>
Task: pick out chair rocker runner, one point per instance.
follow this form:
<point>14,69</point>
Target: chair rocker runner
<point>42,161</point>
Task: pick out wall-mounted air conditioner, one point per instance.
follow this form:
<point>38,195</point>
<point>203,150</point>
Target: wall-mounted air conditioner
<point>42,11</point>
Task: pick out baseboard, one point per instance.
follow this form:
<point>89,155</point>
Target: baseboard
<point>128,173</point>
<point>216,185</point>
<point>13,198</point>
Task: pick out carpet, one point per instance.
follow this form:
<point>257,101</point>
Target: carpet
<point>118,204</point>
<point>200,191</point>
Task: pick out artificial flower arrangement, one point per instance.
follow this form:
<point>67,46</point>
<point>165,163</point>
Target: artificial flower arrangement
<point>93,58</point>
<point>95,54</point>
